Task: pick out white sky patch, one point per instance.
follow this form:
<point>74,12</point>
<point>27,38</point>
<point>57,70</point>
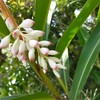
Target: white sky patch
<point>90,19</point>
<point>77,12</point>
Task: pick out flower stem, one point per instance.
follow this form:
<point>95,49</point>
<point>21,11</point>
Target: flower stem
<point>65,88</point>
<point>46,81</point>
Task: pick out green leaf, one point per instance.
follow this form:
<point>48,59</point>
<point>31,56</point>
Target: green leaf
<point>75,25</point>
<point>3,28</point>
<point>83,35</point>
<point>95,74</point>
<point>98,16</point>
<point>10,97</point>
<point>37,96</point>
<point>86,61</point>
<point>41,13</point>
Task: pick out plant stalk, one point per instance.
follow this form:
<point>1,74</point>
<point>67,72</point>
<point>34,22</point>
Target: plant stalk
<point>65,88</point>
<point>7,14</point>
<point>46,81</point>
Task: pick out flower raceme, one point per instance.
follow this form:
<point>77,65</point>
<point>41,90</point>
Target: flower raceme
<point>27,42</point>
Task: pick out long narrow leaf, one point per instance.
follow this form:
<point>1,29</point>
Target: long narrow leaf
<point>98,16</point>
<point>95,74</point>
<point>42,8</point>
<point>86,61</point>
<point>75,25</point>
<point>3,28</point>
<point>36,96</point>
<point>83,35</point>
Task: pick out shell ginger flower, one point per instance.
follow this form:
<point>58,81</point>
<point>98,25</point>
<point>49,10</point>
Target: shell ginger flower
<point>26,41</point>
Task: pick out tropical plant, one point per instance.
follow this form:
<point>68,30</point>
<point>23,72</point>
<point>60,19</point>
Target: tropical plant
<point>32,56</point>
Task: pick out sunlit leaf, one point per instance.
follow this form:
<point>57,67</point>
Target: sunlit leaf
<point>3,28</point>
<point>41,13</point>
<point>75,25</point>
<point>37,96</point>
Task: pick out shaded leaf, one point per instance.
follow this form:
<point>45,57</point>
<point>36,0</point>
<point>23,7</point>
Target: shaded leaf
<point>83,35</point>
<point>86,61</point>
<point>95,74</point>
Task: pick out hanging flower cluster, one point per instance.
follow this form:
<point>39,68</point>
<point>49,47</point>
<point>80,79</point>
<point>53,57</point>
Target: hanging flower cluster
<point>27,40</point>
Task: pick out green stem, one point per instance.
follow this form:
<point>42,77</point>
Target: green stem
<point>46,80</point>
<point>65,88</point>
<point>34,68</point>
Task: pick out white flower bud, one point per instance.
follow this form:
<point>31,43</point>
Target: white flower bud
<point>31,54</point>
<point>5,42</point>
<point>31,37</point>
<point>33,43</point>
<point>39,60</point>
<point>56,73</point>
<point>9,24</point>
<point>44,43</point>
<point>36,33</point>
<point>55,59</point>
<point>16,33</point>
<point>28,30</point>
<point>27,23</point>
<point>61,66</point>
<point>52,52</point>
<point>22,47</point>
<point>24,62</point>
<point>20,57</point>
<point>42,63</point>
<point>52,64</point>
<point>44,51</point>
<point>28,46</point>
<point>15,47</point>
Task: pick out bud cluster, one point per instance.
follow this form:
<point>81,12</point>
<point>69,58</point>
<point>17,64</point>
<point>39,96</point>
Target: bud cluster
<point>27,42</point>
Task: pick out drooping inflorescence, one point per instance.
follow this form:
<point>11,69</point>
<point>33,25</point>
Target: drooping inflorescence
<point>27,41</point>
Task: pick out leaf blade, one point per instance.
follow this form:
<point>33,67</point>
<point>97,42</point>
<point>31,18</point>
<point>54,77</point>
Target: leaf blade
<point>85,64</point>
<point>3,28</point>
<point>42,8</point>
<point>36,96</point>
<point>74,27</point>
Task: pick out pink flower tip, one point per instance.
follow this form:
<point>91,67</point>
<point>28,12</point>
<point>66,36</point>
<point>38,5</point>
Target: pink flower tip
<point>44,51</point>
<point>43,33</point>
<point>9,24</point>
<point>55,68</point>
<point>32,60</point>
<point>0,46</point>
<point>15,33</point>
